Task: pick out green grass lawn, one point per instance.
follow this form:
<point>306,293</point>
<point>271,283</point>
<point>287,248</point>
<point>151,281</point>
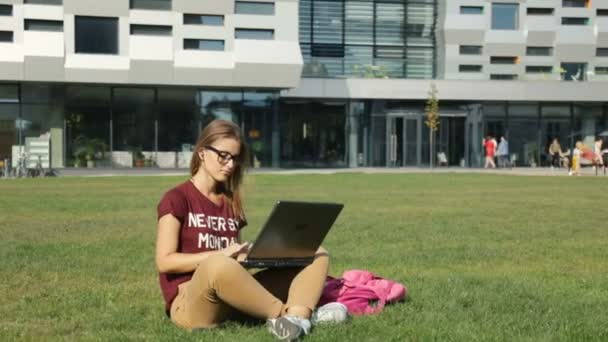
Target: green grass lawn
<point>485,257</point>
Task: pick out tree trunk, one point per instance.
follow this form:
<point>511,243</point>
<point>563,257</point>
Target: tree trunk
<point>431,147</point>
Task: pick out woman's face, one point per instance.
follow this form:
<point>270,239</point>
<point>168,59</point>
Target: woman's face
<point>221,158</point>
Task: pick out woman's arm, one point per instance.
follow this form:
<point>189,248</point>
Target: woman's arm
<point>168,260</point>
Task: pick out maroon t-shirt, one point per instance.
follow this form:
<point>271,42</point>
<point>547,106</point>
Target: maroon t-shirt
<point>205,226</point>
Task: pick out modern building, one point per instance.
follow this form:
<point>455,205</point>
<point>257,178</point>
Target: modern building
<point>313,83</point>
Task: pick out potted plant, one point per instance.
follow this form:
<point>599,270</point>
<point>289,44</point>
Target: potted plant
<point>257,147</point>
<point>139,159</point>
<point>88,149</point>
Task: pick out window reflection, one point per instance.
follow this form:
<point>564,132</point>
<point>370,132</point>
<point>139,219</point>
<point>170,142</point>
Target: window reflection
<point>87,117</point>
<point>554,124</point>
<point>312,134</point>
<point>523,134</point>
<point>9,114</point>
<point>256,123</point>
<point>178,125</point>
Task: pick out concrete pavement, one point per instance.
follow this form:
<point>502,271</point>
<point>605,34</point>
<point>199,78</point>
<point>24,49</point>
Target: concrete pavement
<point>519,171</point>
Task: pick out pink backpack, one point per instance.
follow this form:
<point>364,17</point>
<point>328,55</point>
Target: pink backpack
<point>362,292</point>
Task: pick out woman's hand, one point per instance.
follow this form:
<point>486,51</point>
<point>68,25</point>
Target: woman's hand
<point>235,249</point>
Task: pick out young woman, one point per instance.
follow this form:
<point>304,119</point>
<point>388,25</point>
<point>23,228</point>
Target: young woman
<point>198,240</point>
<point>490,149</point>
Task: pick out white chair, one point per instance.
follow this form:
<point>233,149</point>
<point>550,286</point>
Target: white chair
<point>442,160</point>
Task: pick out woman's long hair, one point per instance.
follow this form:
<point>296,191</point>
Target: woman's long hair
<point>231,188</point>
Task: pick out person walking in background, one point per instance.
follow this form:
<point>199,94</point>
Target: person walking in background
<point>490,149</point>
<point>597,152</point>
<point>503,152</point>
<point>555,151</point>
<point>576,159</point>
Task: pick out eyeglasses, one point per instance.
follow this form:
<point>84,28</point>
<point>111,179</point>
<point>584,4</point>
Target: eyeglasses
<point>224,157</point>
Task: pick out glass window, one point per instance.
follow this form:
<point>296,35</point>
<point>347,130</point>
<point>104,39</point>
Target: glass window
<point>389,24</point>
<point>601,52</point>
<point>539,51</point>
<point>523,134</point>
<point>179,121</point>
<point>41,93</point>
<point>204,44</point>
<point>601,70</point>
<point>203,19</point>
<point>470,49</point>
<point>223,105</point>
<point>38,119</point>
<point>503,60</point>
<point>539,69</point>
<point>312,134</point>
<point>150,30</point>
<point>469,68</point>
<point>87,119</point>
<point>602,12</point>
<point>9,123</point>
<point>575,3</point>
<point>587,122</point>
<point>259,8</point>
<point>419,21</point>
<point>6,10</point>
<point>495,119</point>
<point>9,93</point>
<point>337,37</point>
<point>503,77</point>
<point>133,116</point>
<point>419,62</point>
<point>150,4</point>
<point>359,22</point>
<point>260,34</point>
<point>327,22</point>
<point>539,11</point>
<point>256,119</point>
<point>6,36</point>
<point>505,16</point>
<point>305,18</point>
<point>575,21</point>
<point>554,124</point>
<point>357,59</point>
<point>43,25</point>
<point>97,35</point>
<point>327,50</point>
<point>44,2</point>
<point>471,10</point>
<point>573,71</point>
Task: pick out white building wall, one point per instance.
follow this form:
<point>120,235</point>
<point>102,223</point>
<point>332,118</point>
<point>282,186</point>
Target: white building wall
<point>144,59</point>
<point>570,43</point>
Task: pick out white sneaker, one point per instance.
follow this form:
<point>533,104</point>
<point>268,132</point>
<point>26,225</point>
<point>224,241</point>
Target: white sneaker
<point>333,312</point>
<point>288,328</point>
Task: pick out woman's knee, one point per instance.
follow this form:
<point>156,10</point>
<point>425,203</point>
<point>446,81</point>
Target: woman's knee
<point>322,252</point>
<point>217,263</point>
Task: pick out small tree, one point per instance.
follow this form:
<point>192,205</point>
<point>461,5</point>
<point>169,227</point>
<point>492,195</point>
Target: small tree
<point>432,117</point>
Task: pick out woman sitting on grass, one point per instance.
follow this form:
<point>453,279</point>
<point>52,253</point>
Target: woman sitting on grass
<point>198,240</point>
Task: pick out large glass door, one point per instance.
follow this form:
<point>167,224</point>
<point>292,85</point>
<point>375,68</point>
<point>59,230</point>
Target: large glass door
<point>451,139</point>
<point>411,141</point>
<point>403,141</point>
<point>394,142</point>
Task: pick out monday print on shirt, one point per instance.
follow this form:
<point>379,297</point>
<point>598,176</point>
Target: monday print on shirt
<point>214,232</point>
<point>205,226</point>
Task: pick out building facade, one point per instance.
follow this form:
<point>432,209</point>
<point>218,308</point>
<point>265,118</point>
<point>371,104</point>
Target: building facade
<point>313,83</point>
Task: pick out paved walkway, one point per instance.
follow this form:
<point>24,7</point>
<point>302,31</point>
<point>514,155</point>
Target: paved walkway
<point>520,171</point>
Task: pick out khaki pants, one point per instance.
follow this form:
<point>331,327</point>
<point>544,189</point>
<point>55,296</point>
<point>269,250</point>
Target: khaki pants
<point>221,289</point>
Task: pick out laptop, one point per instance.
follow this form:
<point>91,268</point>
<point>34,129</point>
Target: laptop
<point>292,234</point>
